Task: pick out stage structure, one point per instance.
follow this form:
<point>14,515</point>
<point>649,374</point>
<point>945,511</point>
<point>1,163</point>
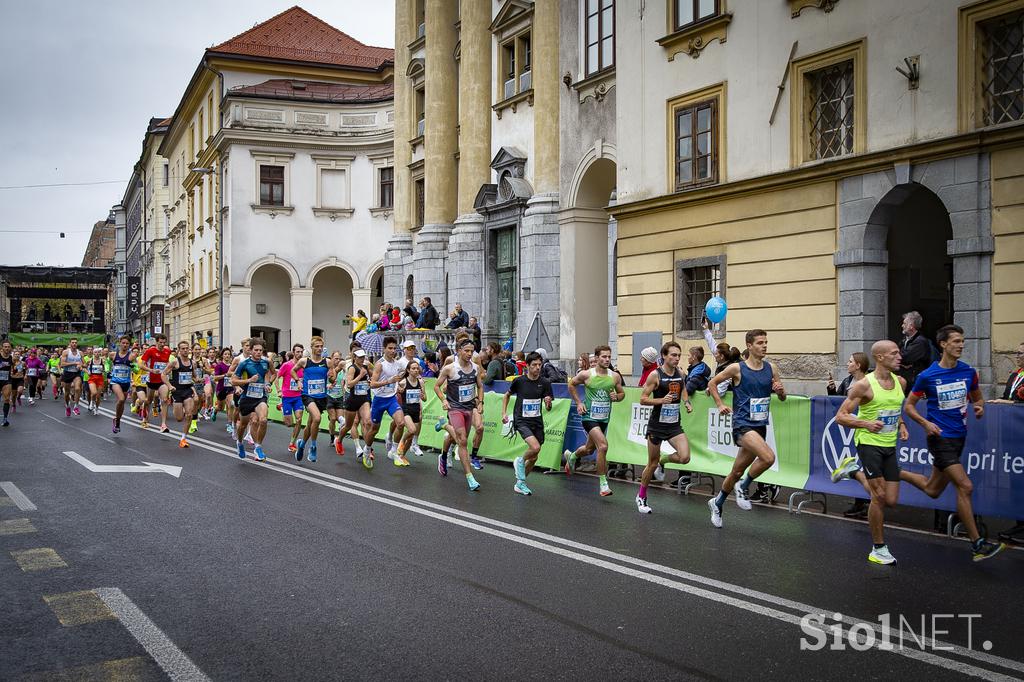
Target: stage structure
<point>46,305</point>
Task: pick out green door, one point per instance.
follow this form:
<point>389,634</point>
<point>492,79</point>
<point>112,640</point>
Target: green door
<point>506,262</point>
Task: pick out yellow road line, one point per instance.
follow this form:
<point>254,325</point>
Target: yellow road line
<point>78,608</point>
<point>15,526</point>
<point>38,559</point>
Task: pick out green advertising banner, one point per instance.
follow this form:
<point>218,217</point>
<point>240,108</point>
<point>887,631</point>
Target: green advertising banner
<point>48,339</point>
<point>494,445</point>
<point>710,437</point>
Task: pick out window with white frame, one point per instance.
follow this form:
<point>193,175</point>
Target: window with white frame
<point>333,191</point>
<point>272,182</point>
<point>598,35</point>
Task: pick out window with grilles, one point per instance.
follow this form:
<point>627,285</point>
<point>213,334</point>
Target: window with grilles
<point>696,155</point>
<point>830,115</point>
<point>698,280</point>
<point>1002,69</point>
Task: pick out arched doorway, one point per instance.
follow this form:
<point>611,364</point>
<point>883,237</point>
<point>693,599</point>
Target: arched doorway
<point>270,306</point>
<point>332,304</point>
<point>376,290</point>
<point>410,289</point>
<point>592,243</point>
<point>920,273</point>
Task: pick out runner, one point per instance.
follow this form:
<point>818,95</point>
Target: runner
<point>97,380</point>
<point>199,384</point>
<point>253,375</point>
<point>154,360</point>
<point>17,379</point>
<point>877,400</point>
<point>601,388</point>
<point>947,385</point>
<point>35,375</point>
<point>290,390</point>
<point>6,387</point>
<point>335,397</point>
<point>530,391</point>
<point>71,376</point>
<point>223,387</point>
<point>314,394</point>
<point>233,416</point>
<point>664,389</point>
<point>139,378</point>
<point>357,404</point>
<point>460,388</point>
<point>177,376</point>
<point>121,377</point>
<point>410,395</point>
<point>209,394</point>
<point>386,375</point>
<point>53,366</point>
<point>408,356</point>
<point>753,380</point>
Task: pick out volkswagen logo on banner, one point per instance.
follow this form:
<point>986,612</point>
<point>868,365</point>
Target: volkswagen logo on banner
<point>836,444</point>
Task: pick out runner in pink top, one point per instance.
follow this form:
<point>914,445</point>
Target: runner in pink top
<point>291,394</point>
<point>35,375</point>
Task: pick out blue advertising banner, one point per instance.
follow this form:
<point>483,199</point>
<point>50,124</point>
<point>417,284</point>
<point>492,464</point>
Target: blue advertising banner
<point>993,457</point>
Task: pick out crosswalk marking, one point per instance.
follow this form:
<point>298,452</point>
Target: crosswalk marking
<point>38,559</point>
<point>16,526</point>
<point>78,608</point>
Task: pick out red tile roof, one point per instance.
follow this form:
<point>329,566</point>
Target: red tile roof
<point>297,35</point>
<point>314,91</point>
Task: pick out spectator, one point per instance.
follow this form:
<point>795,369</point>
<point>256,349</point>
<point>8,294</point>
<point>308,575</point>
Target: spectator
<point>520,362</point>
<point>428,318</point>
<point>508,364</point>
<point>396,318</point>
<point>383,321</point>
<point>474,330</point>
<point>549,371</point>
<point>431,366</point>
<point>1014,391</point>
<point>697,372</point>
<point>411,311</point>
<point>916,350</point>
<point>491,358</point>
<point>649,362</point>
<point>583,362</point>
<point>459,318</point>
<point>857,366</point>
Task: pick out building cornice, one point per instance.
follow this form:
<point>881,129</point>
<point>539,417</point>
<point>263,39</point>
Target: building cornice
<point>369,144</point>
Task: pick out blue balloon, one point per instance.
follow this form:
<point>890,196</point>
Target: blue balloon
<point>716,309</point>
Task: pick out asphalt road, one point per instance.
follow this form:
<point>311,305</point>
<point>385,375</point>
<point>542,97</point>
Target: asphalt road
<point>242,570</point>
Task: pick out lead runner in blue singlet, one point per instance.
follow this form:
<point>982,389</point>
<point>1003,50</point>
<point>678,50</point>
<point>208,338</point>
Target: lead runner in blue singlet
<point>754,381</point>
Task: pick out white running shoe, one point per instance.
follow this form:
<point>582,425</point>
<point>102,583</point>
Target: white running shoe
<point>716,513</point>
<point>388,444</point>
<point>881,555</point>
<point>742,501</point>
<point>659,473</point>
<point>641,505</point>
<point>248,438</point>
<point>393,452</point>
<point>416,450</point>
<point>31,401</point>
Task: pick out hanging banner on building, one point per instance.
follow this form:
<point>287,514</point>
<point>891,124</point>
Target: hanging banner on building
<point>134,295</point>
<point>156,316</point>
<point>992,457</point>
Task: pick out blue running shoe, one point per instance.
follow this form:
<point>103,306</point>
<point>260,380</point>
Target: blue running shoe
<point>241,449</point>
<point>476,462</point>
<point>520,487</point>
<point>440,424</point>
<point>259,454</point>
<point>312,451</point>
<point>299,447</point>
<point>442,464</point>
<point>520,464</point>
<point>473,485</point>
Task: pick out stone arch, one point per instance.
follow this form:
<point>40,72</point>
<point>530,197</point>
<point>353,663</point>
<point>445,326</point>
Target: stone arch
<point>371,274</point>
<point>331,262</point>
<point>868,204</point>
<point>271,259</point>
<point>601,150</point>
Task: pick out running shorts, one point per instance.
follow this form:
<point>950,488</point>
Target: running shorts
<point>223,393</point>
<point>589,425</point>
<point>879,462</point>
<point>291,404</point>
<point>354,402</point>
<point>414,412</point>
<point>69,377</point>
<point>246,406</point>
<point>460,419</point>
<point>154,386</point>
<point>321,402</point>
<point>180,395</point>
<point>533,427</point>
<point>658,433</point>
<point>381,405</point>
<point>945,451</point>
<point>335,403</point>
<point>96,380</point>
<point>125,385</point>
<point>740,431</point>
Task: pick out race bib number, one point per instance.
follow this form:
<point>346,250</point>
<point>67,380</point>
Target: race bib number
<point>362,388</point>
<point>293,385</point>
<point>119,372</point>
<point>467,392</point>
<point>531,407</point>
<point>334,391</point>
<point>759,409</point>
<point>5,375</point>
<point>890,420</point>
<point>669,414</point>
<point>952,396</point>
<point>32,371</point>
<point>159,367</point>
<point>316,386</point>
<point>184,377</point>
<point>254,391</point>
<point>412,396</point>
<point>96,369</point>
<point>600,410</point>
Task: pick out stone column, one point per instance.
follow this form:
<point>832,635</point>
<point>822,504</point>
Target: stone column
<point>440,141</point>
<point>395,271</point>
<point>474,102</point>
<point>404,124</point>
<point>302,316</point>
<point>972,303</point>
<point>238,314</point>
<point>466,264</point>
<point>539,269</point>
<point>546,84</point>
<point>429,264</point>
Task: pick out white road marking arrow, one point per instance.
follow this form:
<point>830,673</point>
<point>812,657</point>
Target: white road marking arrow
<point>120,469</point>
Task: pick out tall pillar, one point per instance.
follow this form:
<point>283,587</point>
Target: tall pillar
<point>539,269</point>
<point>361,300</point>
<point>302,316</point>
<point>238,313</point>
<point>466,264</point>
<point>395,270</point>
<point>404,124</point>
<point>474,102</point>
<point>546,84</point>
<point>429,264</point>
<point>440,141</point>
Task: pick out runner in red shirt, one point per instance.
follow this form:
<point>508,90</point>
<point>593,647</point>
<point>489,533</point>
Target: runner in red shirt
<point>154,360</point>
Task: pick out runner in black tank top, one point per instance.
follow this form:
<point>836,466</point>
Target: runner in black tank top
<point>665,391</point>
<point>410,394</point>
<point>178,377</point>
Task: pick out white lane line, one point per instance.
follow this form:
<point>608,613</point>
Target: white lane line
<point>96,435</point>
<point>24,504</point>
<point>446,513</point>
<point>170,658</point>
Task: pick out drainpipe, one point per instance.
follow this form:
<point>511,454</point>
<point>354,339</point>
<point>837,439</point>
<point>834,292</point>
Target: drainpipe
<point>220,213</point>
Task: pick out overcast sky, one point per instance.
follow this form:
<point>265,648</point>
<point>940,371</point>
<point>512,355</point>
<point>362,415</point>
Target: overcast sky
<point>80,81</point>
